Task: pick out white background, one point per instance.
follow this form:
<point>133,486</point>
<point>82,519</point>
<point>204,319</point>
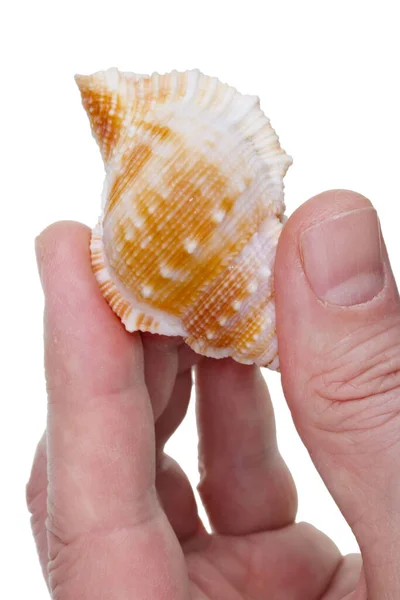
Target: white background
<point>327,74</point>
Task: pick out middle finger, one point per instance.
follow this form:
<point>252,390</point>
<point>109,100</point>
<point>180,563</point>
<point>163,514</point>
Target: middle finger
<point>168,378</point>
<point>245,484</point>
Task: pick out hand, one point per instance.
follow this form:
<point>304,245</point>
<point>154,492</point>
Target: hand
<point>115,518</point>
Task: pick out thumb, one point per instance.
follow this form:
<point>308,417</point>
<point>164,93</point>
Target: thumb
<point>338,323</point>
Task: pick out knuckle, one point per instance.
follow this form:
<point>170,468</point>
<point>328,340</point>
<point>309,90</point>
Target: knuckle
<point>33,495</point>
<point>63,568</point>
<point>36,488</point>
<point>36,502</point>
<point>356,385</point>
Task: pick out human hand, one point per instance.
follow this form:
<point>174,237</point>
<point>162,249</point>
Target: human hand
<point>114,517</point>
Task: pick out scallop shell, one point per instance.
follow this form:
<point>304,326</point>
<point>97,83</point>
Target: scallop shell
<point>192,209</point>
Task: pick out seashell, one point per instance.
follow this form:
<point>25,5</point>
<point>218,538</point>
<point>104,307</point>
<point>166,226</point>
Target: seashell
<point>192,208</point>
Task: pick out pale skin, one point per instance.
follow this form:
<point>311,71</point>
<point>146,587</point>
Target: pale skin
<point>115,518</point>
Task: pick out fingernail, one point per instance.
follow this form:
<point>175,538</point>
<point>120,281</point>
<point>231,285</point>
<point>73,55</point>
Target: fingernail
<point>342,257</point>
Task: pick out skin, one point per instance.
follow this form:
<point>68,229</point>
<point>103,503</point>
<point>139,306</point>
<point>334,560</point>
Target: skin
<point>115,518</point>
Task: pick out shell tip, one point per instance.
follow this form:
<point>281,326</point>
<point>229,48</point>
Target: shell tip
<point>81,80</point>
<point>100,93</point>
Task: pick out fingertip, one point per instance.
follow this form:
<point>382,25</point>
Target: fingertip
<point>63,251</point>
<point>226,374</point>
<point>328,204</point>
<point>289,268</point>
<point>78,320</point>
<point>226,368</point>
<point>315,210</point>
<point>161,343</point>
<point>59,231</point>
<point>54,244</point>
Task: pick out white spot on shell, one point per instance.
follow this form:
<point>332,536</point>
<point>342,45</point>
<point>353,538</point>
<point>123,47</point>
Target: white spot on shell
<point>190,246</point>
<point>210,335</point>
<point>253,286</point>
<point>236,305</point>
<point>166,271</point>
<point>266,323</point>
<point>129,234</point>
<point>218,216</point>
<point>265,271</point>
<point>147,290</point>
<point>222,321</point>
<point>138,221</point>
<point>154,180</point>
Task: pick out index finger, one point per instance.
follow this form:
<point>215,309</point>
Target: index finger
<point>96,391</point>
<point>100,431</point>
